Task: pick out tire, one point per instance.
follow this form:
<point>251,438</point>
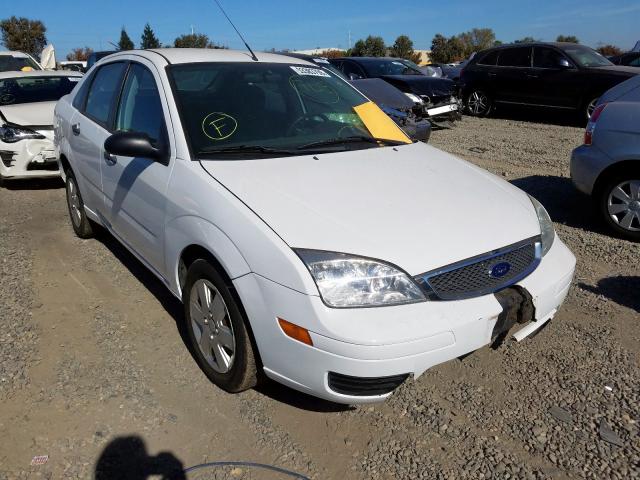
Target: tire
<point>478,103</point>
<point>217,330</point>
<point>82,226</point>
<point>619,204</point>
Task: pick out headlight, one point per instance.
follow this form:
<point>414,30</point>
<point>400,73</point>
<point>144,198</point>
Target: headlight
<point>547,233</point>
<point>350,281</point>
<point>414,98</point>
<point>13,134</point>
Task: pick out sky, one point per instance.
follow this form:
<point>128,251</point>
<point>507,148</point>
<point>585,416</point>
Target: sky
<point>304,24</point>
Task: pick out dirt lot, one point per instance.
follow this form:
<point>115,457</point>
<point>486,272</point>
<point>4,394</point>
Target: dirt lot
<point>93,369</point>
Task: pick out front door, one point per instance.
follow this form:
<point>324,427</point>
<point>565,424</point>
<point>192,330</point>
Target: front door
<point>554,79</point>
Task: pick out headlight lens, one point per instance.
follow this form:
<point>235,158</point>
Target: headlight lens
<point>415,98</point>
<point>350,281</point>
<point>547,233</point>
<point>13,134</point>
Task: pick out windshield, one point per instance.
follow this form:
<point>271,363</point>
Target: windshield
<point>235,106</point>
<point>378,68</point>
<point>586,57</point>
<point>35,89</point>
<point>10,63</point>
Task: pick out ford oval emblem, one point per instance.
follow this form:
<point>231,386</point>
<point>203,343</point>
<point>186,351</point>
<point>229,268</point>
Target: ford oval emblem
<point>499,270</point>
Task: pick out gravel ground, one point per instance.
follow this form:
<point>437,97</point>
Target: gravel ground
<point>94,372</point>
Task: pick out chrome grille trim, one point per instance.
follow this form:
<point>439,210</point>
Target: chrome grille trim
<point>470,278</point>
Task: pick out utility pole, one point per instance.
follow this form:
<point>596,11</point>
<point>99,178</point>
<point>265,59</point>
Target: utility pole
<point>349,39</point>
<point>191,29</point>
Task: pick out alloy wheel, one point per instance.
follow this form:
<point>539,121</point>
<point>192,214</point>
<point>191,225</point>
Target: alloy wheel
<point>623,205</point>
<point>591,106</point>
<point>212,326</point>
<point>74,202</point>
<point>478,103</point>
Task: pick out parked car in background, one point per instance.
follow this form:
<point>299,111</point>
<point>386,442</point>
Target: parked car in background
<point>392,101</point>
<point>446,70</point>
<point>438,97</point>
<point>306,235</point>
<point>73,66</point>
<point>95,56</point>
<point>564,76</point>
<point>27,100</point>
<point>607,165</point>
<point>631,59</point>
<point>17,62</point>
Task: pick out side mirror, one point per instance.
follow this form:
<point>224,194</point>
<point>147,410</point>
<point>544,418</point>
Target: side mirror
<point>133,144</point>
<point>564,63</point>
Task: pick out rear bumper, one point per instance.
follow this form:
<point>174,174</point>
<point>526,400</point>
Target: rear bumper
<point>587,162</point>
<point>432,332</point>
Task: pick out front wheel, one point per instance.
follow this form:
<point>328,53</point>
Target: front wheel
<point>81,224</point>
<point>218,335</point>
<point>620,204</point>
<point>478,103</point>
<point>589,107</point>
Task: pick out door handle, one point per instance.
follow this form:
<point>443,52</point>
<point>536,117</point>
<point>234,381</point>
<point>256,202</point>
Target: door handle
<point>491,74</point>
<point>109,158</point>
<point>531,75</point>
<point>75,128</point>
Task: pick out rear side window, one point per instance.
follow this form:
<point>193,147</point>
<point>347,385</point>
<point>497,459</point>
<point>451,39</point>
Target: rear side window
<point>546,57</point>
<point>490,58</point>
<point>515,57</point>
<point>103,90</point>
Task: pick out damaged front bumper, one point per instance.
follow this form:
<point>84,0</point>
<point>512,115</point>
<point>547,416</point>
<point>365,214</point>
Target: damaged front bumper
<point>28,158</point>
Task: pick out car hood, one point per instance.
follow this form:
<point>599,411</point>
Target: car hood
<point>422,85</point>
<point>29,114</point>
<point>620,70</point>
<point>414,206</point>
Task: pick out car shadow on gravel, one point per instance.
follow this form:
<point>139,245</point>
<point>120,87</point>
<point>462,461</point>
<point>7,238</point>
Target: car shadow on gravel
<point>32,184</point>
<point>126,458</point>
<point>621,289</point>
<point>564,203</point>
<point>283,394</point>
<point>564,118</point>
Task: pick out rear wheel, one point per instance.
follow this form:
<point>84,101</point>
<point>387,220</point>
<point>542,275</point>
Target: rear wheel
<point>81,224</point>
<point>478,103</point>
<point>216,328</point>
<point>619,203</point>
<point>590,106</point>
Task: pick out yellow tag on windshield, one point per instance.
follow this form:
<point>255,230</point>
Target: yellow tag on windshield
<point>379,124</point>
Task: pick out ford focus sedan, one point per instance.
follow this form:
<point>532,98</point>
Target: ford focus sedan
<point>308,238</point>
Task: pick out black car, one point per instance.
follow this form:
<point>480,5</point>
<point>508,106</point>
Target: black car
<point>438,96</point>
<point>392,101</point>
<point>631,59</point>
<point>549,75</point>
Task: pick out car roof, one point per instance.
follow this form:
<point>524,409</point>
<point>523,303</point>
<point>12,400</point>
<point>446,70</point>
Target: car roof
<point>14,53</point>
<point>199,55</point>
<point>39,73</point>
<point>370,59</point>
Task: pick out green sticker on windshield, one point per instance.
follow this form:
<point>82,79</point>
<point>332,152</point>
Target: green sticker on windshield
<point>219,126</point>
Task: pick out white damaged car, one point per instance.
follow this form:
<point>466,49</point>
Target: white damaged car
<point>307,237</point>
<point>27,100</point>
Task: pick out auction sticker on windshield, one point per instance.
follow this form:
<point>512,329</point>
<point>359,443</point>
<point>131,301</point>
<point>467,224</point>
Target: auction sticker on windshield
<point>316,72</point>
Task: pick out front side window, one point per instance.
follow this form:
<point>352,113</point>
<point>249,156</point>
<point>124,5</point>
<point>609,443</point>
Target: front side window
<point>35,89</point>
<point>103,91</point>
<point>515,57</point>
<point>140,109</point>
<point>273,106</point>
<point>351,70</point>
<point>546,57</point>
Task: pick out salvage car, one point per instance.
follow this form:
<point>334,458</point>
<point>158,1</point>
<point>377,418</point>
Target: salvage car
<point>607,165</point>
<point>438,97</point>
<point>305,234</point>
<point>393,102</point>
<point>559,76</point>
<point>631,59</point>
<point>17,62</point>
<point>27,100</point>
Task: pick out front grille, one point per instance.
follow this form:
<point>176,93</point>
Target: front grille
<point>364,386</point>
<point>473,277</point>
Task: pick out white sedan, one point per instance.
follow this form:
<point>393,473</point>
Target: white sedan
<point>27,100</point>
<point>306,236</point>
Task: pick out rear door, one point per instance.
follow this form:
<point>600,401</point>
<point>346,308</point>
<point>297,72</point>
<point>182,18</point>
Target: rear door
<point>135,187</point>
<point>512,72</point>
<point>89,130</point>
<point>552,81</point>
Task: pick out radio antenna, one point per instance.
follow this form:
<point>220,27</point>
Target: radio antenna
<point>253,55</point>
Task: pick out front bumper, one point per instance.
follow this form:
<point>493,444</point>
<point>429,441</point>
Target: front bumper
<point>388,341</point>
<point>29,158</point>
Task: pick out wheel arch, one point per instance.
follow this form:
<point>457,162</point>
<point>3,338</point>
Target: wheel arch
<point>632,165</point>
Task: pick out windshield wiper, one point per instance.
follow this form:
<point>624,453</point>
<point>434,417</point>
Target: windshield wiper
<point>350,139</point>
<point>246,149</point>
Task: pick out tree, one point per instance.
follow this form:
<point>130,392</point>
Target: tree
<point>333,53</point>
<point>567,38</point>
<point>609,50</point>
<point>447,50</point>
<point>149,39</point>
<point>23,35</point>
<point>193,40</point>
<point>370,47</point>
<point>477,39</point>
<point>125,42</point>
<point>79,54</point>
<point>403,48</point>
<point>525,40</point>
